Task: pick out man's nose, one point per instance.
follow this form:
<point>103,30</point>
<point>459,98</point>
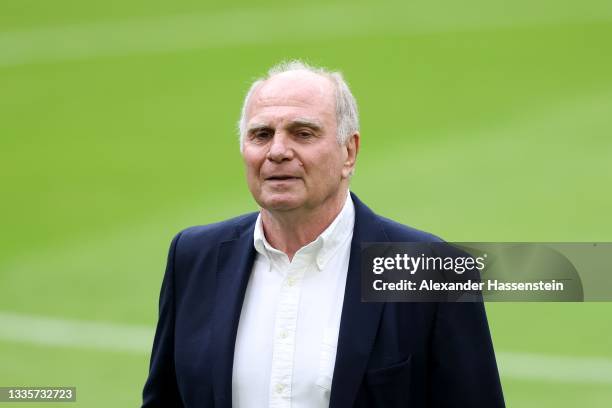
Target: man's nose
<point>280,148</point>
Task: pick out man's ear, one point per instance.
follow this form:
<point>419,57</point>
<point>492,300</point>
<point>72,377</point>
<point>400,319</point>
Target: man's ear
<point>352,149</point>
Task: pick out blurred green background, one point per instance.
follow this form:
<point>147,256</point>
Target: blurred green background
<point>481,120</point>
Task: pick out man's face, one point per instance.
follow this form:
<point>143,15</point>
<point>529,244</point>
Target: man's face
<point>292,157</point>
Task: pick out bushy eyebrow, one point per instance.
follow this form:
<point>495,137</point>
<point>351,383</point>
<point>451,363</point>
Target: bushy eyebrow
<point>296,123</point>
<point>258,126</point>
<point>305,122</point>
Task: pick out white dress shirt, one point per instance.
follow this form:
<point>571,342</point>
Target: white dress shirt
<point>285,348</point>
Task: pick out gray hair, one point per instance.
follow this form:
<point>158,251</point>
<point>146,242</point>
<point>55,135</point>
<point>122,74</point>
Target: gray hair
<point>347,117</point>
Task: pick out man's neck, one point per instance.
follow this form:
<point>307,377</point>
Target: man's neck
<point>291,230</point>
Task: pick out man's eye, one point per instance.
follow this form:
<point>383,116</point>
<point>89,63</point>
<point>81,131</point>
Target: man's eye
<point>304,135</point>
<point>262,135</point>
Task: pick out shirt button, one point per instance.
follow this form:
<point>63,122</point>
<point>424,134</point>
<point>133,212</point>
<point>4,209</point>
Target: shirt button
<point>290,281</point>
<point>284,334</point>
<point>279,388</point>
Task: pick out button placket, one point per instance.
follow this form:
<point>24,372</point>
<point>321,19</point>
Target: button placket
<point>284,343</point>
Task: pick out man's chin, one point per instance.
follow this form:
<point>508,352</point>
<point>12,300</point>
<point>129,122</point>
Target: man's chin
<point>281,202</point>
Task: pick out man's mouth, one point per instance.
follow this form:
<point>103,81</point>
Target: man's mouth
<point>281,177</point>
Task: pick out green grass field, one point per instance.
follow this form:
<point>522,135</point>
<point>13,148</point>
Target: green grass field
<point>480,121</point>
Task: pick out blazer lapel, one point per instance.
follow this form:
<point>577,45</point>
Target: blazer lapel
<point>234,263</point>
<point>359,322</point>
<point>358,326</point>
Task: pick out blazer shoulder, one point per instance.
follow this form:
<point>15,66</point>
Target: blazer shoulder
<point>204,236</point>
<point>403,233</point>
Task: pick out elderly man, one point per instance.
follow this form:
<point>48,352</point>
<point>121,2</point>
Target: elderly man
<point>264,310</point>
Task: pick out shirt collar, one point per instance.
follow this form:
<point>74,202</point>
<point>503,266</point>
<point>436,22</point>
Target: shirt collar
<point>323,247</point>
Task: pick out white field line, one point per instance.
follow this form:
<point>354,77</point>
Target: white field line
<point>532,366</point>
<point>79,41</point>
<point>54,332</point>
<point>74,333</point>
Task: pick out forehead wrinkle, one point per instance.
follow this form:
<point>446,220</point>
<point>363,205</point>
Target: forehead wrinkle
<point>292,98</point>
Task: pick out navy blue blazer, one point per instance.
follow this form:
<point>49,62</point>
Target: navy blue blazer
<point>389,354</point>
